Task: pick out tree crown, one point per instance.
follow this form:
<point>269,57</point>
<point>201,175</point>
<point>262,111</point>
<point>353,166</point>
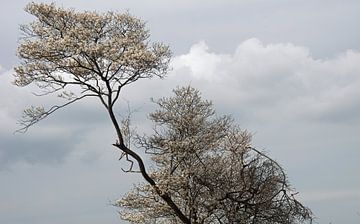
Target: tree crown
<point>95,53</point>
<point>207,165</point>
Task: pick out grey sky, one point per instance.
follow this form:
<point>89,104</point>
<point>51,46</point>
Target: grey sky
<point>288,71</point>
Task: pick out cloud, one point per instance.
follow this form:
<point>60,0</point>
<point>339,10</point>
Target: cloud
<point>52,140</point>
<point>278,80</point>
<point>16,149</point>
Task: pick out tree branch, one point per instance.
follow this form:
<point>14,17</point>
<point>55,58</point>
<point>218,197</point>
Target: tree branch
<point>34,115</point>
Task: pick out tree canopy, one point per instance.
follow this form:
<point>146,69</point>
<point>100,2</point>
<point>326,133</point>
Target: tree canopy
<point>84,54</point>
<point>207,165</point>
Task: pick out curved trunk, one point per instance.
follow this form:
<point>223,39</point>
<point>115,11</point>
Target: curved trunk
<point>120,145</point>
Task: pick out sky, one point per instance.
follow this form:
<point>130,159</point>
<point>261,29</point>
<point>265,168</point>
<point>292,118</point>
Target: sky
<point>287,71</point>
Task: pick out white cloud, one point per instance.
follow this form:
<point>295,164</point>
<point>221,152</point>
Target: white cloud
<point>280,78</point>
<point>202,63</point>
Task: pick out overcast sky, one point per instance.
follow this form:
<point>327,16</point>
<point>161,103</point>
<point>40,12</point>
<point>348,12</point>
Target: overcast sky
<point>288,71</point>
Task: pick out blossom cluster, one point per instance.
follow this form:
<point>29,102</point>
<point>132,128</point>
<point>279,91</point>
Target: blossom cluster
<point>90,46</point>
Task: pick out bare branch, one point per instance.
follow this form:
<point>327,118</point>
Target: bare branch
<point>33,115</point>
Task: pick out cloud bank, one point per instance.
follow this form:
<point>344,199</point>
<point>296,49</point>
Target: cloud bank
<point>278,79</point>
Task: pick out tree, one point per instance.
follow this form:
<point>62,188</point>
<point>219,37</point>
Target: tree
<point>207,165</point>
<point>87,54</point>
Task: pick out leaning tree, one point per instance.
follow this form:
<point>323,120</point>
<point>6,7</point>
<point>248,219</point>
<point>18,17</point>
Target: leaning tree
<point>207,165</point>
<point>78,55</point>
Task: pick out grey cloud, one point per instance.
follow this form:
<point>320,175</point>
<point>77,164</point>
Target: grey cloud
<point>54,141</point>
<point>50,141</point>
<point>14,149</point>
